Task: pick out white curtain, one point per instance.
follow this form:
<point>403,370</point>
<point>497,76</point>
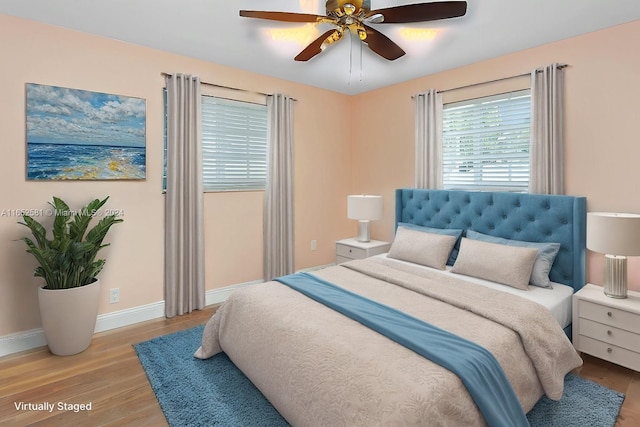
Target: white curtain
<point>278,213</point>
<point>184,245</point>
<point>428,133</point>
<point>547,147</point>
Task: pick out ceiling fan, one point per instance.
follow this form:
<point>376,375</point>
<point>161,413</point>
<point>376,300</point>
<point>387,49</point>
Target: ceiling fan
<point>355,15</point>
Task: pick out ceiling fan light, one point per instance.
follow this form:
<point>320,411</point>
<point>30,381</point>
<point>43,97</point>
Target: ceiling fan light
<point>337,35</point>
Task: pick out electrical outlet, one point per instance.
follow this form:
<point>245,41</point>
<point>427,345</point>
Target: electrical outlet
<point>114,296</point>
<point>314,245</point>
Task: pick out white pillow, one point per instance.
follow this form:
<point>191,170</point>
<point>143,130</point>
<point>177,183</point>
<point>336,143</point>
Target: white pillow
<point>544,260</point>
<point>509,265</point>
<point>422,248</point>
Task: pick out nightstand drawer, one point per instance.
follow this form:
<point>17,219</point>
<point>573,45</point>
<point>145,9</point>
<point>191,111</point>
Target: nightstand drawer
<point>609,316</point>
<point>350,252</point>
<point>611,335</point>
<point>610,352</point>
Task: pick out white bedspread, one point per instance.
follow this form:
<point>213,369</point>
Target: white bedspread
<point>320,368</point>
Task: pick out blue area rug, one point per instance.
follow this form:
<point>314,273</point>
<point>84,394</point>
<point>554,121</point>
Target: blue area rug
<point>213,392</point>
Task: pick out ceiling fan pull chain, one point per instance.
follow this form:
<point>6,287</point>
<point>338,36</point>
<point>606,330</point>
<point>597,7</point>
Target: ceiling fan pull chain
<point>350,55</point>
<point>361,49</point>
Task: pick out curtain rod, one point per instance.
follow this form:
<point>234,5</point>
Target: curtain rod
<point>495,80</point>
<point>227,87</point>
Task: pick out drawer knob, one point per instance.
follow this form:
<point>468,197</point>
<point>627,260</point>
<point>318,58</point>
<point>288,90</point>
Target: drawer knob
<point>609,313</point>
<point>609,350</point>
<point>608,332</point>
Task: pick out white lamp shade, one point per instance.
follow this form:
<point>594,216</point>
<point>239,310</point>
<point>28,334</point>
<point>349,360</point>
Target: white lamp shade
<point>364,207</point>
<point>613,233</point>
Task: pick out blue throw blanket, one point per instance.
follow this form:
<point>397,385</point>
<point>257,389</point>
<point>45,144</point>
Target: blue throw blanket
<point>475,366</point>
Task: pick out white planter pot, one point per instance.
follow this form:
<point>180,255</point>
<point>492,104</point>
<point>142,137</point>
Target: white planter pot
<point>69,317</point>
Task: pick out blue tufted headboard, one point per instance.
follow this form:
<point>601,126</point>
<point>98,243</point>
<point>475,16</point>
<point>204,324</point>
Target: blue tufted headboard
<point>517,216</point>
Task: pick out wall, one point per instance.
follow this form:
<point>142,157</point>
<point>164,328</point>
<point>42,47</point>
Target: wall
<point>36,53</point>
<point>603,98</point>
<point>602,105</point>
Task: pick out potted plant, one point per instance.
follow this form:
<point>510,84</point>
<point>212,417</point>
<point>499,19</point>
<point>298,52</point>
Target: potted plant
<point>69,298</point>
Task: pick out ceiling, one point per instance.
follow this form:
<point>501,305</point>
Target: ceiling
<point>213,31</point>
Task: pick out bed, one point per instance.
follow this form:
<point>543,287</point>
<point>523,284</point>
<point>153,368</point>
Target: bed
<point>317,363</point>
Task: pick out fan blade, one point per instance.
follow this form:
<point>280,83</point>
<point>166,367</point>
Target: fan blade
<point>316,46</point>
<point>421,12</point>
<point>281,16</point>
<point>382,45</point>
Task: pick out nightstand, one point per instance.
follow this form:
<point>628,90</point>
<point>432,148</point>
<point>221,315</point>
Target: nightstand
<point>607,328</point>
<point>349,249</point>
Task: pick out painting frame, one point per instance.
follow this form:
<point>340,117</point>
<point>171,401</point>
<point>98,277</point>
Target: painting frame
<point>82,135</point>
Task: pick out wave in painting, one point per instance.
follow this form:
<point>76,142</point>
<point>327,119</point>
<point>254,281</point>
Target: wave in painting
<point>84,162</point>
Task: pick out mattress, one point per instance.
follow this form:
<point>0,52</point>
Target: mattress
<point>558,300</point>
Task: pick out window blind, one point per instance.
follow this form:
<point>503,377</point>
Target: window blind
<point>234,145</point>
<point>486,143</point>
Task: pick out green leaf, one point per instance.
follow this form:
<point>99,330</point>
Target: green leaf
<point>69,259</point>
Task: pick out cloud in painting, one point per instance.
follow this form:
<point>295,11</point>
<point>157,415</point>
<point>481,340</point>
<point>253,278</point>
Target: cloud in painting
<point>57,115</point>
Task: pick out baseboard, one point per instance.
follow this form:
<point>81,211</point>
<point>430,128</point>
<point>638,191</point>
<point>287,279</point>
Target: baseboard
<point>220,295</point>
<point>21,341</point>
<point>129,316</point>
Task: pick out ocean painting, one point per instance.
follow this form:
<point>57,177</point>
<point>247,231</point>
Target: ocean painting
<point>76,134</point>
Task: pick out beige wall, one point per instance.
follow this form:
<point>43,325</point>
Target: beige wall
<point>35,53</point>
<point>602,110</point>
<point>603,100</point>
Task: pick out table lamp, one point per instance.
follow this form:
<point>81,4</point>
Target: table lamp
<point>617,235</point>
<point>364,208</point>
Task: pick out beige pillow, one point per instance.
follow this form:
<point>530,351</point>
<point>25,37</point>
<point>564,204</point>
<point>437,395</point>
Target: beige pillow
<point>423,248</point>
<point>509,265</point>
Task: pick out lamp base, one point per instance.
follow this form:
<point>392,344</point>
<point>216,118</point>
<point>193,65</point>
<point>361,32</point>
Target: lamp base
<point>615,276</point>
<point>363,231</point>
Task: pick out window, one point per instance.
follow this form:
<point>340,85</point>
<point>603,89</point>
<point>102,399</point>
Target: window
<point>486,143</point>
<point>234,145</point>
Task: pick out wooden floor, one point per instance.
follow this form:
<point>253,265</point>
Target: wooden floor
<point>109,376</point>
